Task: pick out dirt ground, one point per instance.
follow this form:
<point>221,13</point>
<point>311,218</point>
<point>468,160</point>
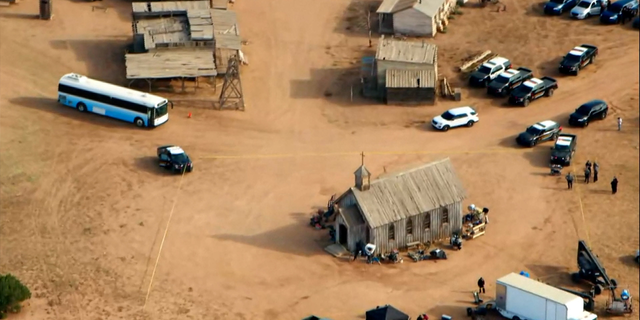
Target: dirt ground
<point>84,206</point>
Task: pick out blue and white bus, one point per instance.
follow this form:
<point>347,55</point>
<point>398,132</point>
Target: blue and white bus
<point>88,95</point>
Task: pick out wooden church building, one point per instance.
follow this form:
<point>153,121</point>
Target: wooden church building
<point>418,205</point>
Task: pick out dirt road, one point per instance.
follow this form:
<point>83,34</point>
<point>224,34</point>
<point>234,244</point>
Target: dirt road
<point>84,206</point>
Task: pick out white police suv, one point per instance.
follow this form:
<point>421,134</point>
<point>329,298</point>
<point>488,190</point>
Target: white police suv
<point>456,117</point>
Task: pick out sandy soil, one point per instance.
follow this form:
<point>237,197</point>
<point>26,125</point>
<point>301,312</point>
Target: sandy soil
<point>84,207</point>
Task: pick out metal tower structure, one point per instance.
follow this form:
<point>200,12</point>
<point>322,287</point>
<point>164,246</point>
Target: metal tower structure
<point>231,96</point>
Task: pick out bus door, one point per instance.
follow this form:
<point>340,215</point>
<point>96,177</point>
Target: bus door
<point>151,114</point>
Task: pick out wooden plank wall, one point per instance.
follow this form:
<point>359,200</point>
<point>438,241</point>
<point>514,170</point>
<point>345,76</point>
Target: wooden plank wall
<point>437,231</point>
<point>354,234</point>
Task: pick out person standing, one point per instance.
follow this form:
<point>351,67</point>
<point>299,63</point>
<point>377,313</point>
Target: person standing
<point>619,124</point>
<point>481,285</point>
<point>596,170</point>
<point>623,15</point>
<point>588,165</point>
<point>587,175</point>
<point>614,185</point>
<point>569,178</point>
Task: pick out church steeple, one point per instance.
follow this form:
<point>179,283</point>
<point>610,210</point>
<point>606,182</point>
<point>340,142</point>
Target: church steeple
<point>363,176</point>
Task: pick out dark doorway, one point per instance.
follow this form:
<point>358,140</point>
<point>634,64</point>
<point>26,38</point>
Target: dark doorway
<point>342,234</point>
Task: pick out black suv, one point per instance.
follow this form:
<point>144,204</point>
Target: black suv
<point>562,152</point>
<point>594,109</point>
<point>174,158</point>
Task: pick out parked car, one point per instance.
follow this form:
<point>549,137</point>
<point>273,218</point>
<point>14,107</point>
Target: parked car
<point>578,58</point>
<point>509,80</point>
<point>174,158</point>
<point>586,9</point>
<point>542,131</point>
<point>613,12</point>
<point>533,89</point>
<point>489,71</point>
<point>592,110</point>
<point>564,149</point>
<point>456,117</point>
<point>557,7</point>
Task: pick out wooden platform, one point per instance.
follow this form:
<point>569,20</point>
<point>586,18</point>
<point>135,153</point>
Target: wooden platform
<point>171,63</point>
<point>338,251</point>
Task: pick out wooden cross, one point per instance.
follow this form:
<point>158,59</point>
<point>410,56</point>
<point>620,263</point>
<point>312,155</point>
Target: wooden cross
<point>362,155</point>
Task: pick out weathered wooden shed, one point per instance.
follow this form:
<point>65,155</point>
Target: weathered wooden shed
<point>418,205</point>
<point>410,87</point>
<point>404,55</point>
<point>414,17</point>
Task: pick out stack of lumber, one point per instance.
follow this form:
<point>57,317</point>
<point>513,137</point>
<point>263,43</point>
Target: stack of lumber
<point>445,89</point>
<point>477,60</point>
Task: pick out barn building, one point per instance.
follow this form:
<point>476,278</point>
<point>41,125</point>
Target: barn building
<point>406,69</point>
<point>420,18</point>
<point>419,205</point>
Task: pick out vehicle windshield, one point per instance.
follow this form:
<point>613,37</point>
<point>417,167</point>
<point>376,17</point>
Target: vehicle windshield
<point>180,158</point>
<point>447,116</point>
<point>562,147</point>
<point>571,59</point>
<point>162,109</point>
<point>484,69</point>
<point>557,1</point>
<point>502,80</point>
<point>534,131</point>
<point>584,110</point>
<point>522,90</point>
<point>584,4</point>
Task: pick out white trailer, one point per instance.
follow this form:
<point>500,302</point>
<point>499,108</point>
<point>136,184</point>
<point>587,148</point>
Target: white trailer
<point>521,298</point>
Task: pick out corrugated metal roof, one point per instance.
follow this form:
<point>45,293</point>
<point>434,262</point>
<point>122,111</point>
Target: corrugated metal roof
<point>393,6</point>
<point>226,30</point>
<point>406,51</point>
<point>409,193</point>
<point>538,288</point>
<point>409,78</point>
<point>352,216</point>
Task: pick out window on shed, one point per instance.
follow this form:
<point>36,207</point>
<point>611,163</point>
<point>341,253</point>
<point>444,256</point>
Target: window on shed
<point>392,232</point>
<point>410,226</point>
<point>427,221</point>
<point>445,215</point>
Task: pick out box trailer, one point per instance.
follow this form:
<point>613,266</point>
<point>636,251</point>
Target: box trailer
<point>522,298</point>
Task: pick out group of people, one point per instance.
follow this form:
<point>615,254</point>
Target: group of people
<point>589,169</point>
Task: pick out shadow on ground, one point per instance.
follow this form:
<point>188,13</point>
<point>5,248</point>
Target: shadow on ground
<point>336,85</point>
<point>52,106</point>
<point>629,260</point>
<point>553,275</point>
<point>18,15</point>
<point>297,238</point>
<point>358,15</point>
<point>111,65</point>
<point>150,165</point>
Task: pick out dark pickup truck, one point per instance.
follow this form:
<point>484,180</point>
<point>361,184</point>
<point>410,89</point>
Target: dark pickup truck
<point>533,89</point>
<point>562,152</point>
<point>508,80</point>
<point>578,58</point>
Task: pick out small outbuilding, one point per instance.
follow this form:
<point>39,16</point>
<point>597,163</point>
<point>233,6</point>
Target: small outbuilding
<point>420,18</point>
<point>410,86</point>
<point>387,312</point>
<point>423,204</point>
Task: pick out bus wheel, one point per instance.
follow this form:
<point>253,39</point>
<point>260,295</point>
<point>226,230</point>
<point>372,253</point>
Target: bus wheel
<point>139,122</point>
<point>81,107</point>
